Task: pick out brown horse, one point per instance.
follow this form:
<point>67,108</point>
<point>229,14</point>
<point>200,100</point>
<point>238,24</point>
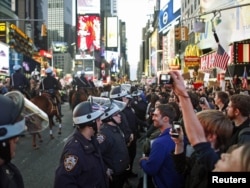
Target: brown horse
<point>46,103</point>
<point>81,94</point>
<point>77,96</point>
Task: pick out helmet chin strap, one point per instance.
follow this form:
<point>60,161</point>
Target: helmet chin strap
<point>5,151</point>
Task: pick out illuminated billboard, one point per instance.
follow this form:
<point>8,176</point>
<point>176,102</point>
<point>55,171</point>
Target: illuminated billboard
<point>4,58</point>
<point>88,33</point>
<point>112,32</point>
<point>88,7</point>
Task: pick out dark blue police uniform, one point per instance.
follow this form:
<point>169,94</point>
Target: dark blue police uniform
<point>114,153</point>
<point>18,81</point>
<point>10,176</point>
<point>81,165</point>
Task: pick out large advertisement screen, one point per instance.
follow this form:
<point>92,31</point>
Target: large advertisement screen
<point>88,6</point>
<point>88,33</point>
<point>112,32</point>
<point>4,59</point>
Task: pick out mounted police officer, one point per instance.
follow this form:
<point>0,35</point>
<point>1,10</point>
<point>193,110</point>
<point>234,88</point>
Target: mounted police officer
<point>51,85</point>
<point>18,81</point>
<point>81,81</point>
<point>81,163</point>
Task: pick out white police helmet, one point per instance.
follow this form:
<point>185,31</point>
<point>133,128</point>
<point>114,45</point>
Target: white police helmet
<point>35,73</point>
<point>86,112</point>
<point>16,67</point>
<point>110,107</point>
<point>82,72</point>
<point>19,114</point>
<point>117,92</point>
<point>48,70</point>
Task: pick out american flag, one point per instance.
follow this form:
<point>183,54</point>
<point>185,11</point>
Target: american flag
<point>244,79</point>
<point>221,58</point>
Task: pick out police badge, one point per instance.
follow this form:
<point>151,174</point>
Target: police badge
<point>70,162</point>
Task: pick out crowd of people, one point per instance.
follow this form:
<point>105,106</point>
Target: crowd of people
<point>186,135</point>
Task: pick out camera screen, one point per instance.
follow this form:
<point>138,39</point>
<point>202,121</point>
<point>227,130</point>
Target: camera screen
<point>165,77</point>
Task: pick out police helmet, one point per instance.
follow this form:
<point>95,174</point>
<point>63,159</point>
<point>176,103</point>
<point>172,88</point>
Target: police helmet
<point>128,96</point>
<point>16,67</point>
<point>48,70</point>
<point>10,110</point>
<point>86,112</point>
<point>19,114</point>
<point>137,93</point>
<point>35,73</point>
<point>117,92</point>
<point>104,94</point>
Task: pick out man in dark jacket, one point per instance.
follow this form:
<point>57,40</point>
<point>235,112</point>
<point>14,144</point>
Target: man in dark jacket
<point>18,81</point>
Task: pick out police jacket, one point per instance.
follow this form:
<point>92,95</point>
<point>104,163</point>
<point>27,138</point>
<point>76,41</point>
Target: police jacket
<point>19,81</point>
<point>50,83</point>
<point>81,164</point>
<point>114,149</point>
<point>10,176</point>
<point>133,120</point>
<point>82,82</point>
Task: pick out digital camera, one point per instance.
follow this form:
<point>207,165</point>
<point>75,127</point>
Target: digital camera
<point>165,79</point>
<point>175,129</point>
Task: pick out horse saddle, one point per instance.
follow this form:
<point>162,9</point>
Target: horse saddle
<point>50,97</point>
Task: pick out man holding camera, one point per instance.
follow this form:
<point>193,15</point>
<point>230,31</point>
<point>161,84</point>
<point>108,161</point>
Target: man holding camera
<point>159,163</point>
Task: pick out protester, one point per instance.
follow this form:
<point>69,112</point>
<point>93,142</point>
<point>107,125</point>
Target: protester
<point>198,138</point>
<point>196,164</point>
<point>159,164</point>
<point>221,100</point>
<point>113,146</point>
<point>238,111</point>
<point>235,160</point>
<point>81,163</point>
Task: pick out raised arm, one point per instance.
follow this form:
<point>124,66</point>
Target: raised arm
<point>194,129</point>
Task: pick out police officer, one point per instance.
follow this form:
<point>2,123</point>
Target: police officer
<point>117,93</point>
<point>34,83</point>
<point>51,85</point>
<point>82,82</point>
<point>18,81</point>
<point>113,146</point>
<point>133,122</point>
<point>12,125</point>
<point>81,163</point>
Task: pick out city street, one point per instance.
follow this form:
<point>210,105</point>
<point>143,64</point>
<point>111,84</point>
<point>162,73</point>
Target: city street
<point>38,166</point>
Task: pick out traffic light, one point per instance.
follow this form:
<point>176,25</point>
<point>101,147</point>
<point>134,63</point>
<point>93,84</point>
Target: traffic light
<point>181,33</point>
<point>43,30</point>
